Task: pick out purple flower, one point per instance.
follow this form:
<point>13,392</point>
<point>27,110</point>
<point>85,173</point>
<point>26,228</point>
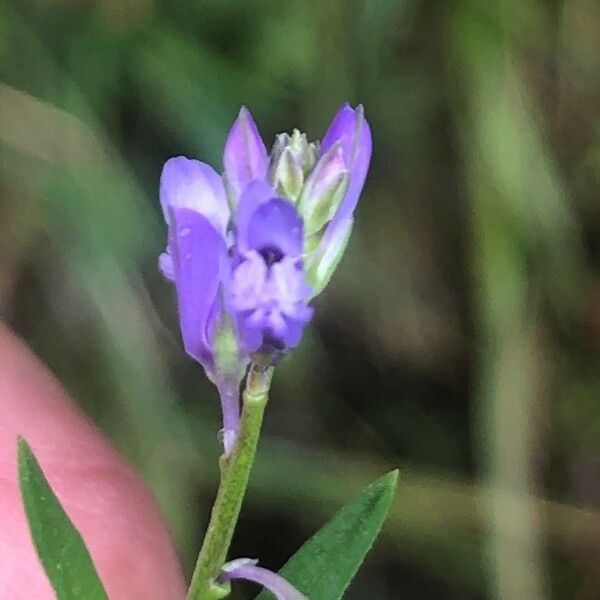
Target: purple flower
<point>195,208</point>
<point>268,291</point>
<point>246,568</point>
<point>248,250</point>
<point>346,148</point>
<point>260,266</point>
<point>197,261</point>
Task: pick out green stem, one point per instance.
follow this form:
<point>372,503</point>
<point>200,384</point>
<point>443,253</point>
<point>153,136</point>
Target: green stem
<point>235,473</point>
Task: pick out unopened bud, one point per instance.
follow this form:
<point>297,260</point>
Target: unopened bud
<point>287,175</point>
<point>324,191</point>
<point>323,260</point>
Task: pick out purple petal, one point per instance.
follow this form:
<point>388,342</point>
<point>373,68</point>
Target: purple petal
<point>245,156</point>
<point>341,129</point>
<point>350,128</point>
<point>247,569</point>
<point>251,337</point>
<point>199,260</point>
<point>295,328</point>
<point>256,194</point>
<point>270,302</point>
<point>331,164</point>
<point>189,183</point>
<point>275,227</point>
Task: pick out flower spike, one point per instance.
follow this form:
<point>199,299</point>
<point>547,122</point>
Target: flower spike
<point>248,251</point>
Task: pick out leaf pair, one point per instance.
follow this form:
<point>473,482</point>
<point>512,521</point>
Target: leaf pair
<point>322,568</point>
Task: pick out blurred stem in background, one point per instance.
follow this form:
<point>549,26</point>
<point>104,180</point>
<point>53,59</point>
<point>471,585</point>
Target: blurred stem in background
<point>507,395</point>
<point>513,198</point>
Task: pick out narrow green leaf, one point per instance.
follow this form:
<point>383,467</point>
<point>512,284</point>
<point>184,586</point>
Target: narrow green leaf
<point>59,545</point>
<point>324,566</point>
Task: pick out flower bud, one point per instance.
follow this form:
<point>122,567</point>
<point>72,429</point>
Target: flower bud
<point>245,156</point>
<point>324,259</point>
<point>324,191</point>
<point>351,129</point>
<point>292,158</point>
<point>305,153</point>
<point>287,175</point>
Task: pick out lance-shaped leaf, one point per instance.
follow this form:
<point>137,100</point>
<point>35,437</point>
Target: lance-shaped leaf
<point>324,566</point>
<point>59,545</point>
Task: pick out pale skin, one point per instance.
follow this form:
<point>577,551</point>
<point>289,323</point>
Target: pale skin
<point>108,502</point>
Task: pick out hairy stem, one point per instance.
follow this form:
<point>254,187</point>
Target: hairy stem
<point>235,473</point>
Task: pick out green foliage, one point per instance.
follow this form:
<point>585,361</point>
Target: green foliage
<point>325,565</point>
<point>60,546</point>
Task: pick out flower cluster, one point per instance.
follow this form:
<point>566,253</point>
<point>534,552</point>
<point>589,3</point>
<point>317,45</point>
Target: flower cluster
<point>248,250</point>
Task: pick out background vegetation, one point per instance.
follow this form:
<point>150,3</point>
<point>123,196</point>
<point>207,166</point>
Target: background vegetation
<point>460,336</point>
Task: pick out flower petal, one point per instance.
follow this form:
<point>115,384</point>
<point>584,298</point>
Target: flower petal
<point>350,128</point>
<point>199,260</point>
<point>247,569</point>
<point>245,156</point>
<point>270,302</point>
<point>294,328</point>
<point>250,334</point>
<point>189,183</point>
<point>341,129</point>
<point>255,194</point>
<point>276,227</point>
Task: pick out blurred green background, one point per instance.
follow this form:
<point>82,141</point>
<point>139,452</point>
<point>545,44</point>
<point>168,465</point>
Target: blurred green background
<point>459,338</point>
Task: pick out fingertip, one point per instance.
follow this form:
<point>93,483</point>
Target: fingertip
<point>106,500</point>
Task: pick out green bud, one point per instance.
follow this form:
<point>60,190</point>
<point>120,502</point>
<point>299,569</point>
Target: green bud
<point>287,175</point>
<point>327,251</point>
<point>320,209</point>
<point>305,153</point>
<point>324,190</point>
